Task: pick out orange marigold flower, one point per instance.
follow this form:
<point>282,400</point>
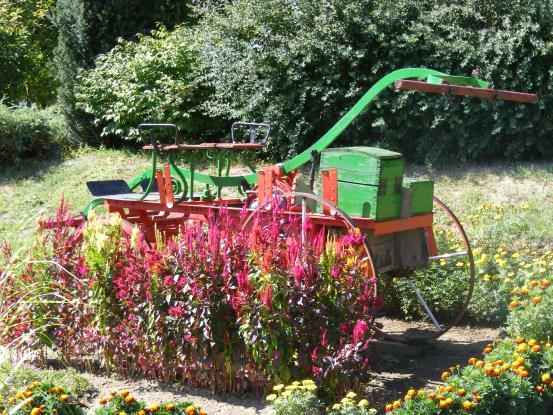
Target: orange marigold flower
<point>468,405</point>
<point>546,378</point>
<point>536,300</point>
<point>519,340</point>
<point>445,375</point>
<point>461,392</point>
<point>64,398</point>
<point>102,401</point>
<point>536,348</point>
<point>124,393</point>
<point>203,412</point>
<point>514,304</point>
<point>443,405</point>
<point>389,407</point>
<point>472,361</point>
<point>539,389</point>
<point>129,399</point>
<point>479,364</point>
<point>170,407</point>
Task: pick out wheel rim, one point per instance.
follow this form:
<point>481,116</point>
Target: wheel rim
<point>467,282</point>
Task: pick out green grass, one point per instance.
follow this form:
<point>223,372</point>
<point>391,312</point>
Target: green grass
<point>35,189</point>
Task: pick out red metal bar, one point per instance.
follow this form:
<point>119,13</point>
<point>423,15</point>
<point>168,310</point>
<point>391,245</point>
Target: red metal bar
<point>201,210</point>
<point>492,94</point>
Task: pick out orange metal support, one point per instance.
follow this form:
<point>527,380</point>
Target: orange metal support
<point>161,187</point>
<point>431,241</point>
<point>168,186</point>
<point>330,187</point>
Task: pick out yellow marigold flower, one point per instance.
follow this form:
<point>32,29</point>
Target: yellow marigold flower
<point>271,397</point>
<point>351,395</point>
<point>336,407</point>
<point>287,393</point>
<point>170,407</point>
<point>363,403</point>
<point>122,413</point>
<point>36,411</point>
<point>64,398</point>
<point>307,382</point>
<point>141,412</point>
<point>296,383</point>
<point>278,388</point>
<point>546,378</point>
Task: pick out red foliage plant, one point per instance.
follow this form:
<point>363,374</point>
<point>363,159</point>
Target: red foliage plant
<point>219,306</point>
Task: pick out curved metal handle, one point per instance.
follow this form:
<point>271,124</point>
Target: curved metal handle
<point>253,129</point>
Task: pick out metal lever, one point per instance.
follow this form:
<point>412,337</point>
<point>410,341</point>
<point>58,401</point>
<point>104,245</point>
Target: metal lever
<point>253,129</point>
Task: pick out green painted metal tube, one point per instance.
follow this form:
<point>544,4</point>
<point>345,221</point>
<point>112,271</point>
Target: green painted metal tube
<point>332,134</point>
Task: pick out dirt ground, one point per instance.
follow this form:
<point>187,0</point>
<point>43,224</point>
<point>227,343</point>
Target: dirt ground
<point>395,368</point>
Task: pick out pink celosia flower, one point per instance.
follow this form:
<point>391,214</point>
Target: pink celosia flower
<point>359,331</point>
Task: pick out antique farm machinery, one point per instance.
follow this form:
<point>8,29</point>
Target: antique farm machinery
<point>362,187</point>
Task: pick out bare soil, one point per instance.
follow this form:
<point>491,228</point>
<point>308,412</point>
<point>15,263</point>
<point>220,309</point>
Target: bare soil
<point>395,368</point>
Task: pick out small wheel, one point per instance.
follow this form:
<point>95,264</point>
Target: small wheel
<point>426,302</point>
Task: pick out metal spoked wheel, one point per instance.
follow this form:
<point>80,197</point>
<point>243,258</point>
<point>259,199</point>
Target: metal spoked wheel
<point>426,302</point>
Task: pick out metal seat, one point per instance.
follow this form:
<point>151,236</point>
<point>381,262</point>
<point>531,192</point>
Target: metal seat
<point>117,190</point>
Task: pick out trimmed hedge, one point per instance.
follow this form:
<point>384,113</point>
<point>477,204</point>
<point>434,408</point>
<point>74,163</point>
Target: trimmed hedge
<point>29,132</point>
<point>300,65</point>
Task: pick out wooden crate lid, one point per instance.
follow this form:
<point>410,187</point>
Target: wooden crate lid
<point>374,152</point>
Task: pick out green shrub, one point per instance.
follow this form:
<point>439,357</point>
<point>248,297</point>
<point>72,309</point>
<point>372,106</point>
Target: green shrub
<point>296,398</point>
<point>16,378</point>
<point>511,379</point>
<point>30,132</point>
<point>40,397</point>
<point>123,403</point>
<point>531,313</point>
<point>300,65</point>
<point>145,81</point>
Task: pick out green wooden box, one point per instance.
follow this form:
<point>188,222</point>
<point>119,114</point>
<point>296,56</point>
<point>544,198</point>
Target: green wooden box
<point>365,201</point>
<point>368,166</point>
<point>422,192</point>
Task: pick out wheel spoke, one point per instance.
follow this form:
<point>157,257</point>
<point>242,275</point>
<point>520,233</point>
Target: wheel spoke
<point>425,306</point>
<point>447,256</point>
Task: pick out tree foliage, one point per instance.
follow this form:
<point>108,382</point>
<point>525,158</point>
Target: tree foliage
<point>27,40</point>
<point>147,80</point>
<point>300,65</point>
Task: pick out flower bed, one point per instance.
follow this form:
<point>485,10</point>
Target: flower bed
<point>223,308</point>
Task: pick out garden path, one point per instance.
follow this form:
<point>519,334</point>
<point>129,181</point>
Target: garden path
<point>395,370</point>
